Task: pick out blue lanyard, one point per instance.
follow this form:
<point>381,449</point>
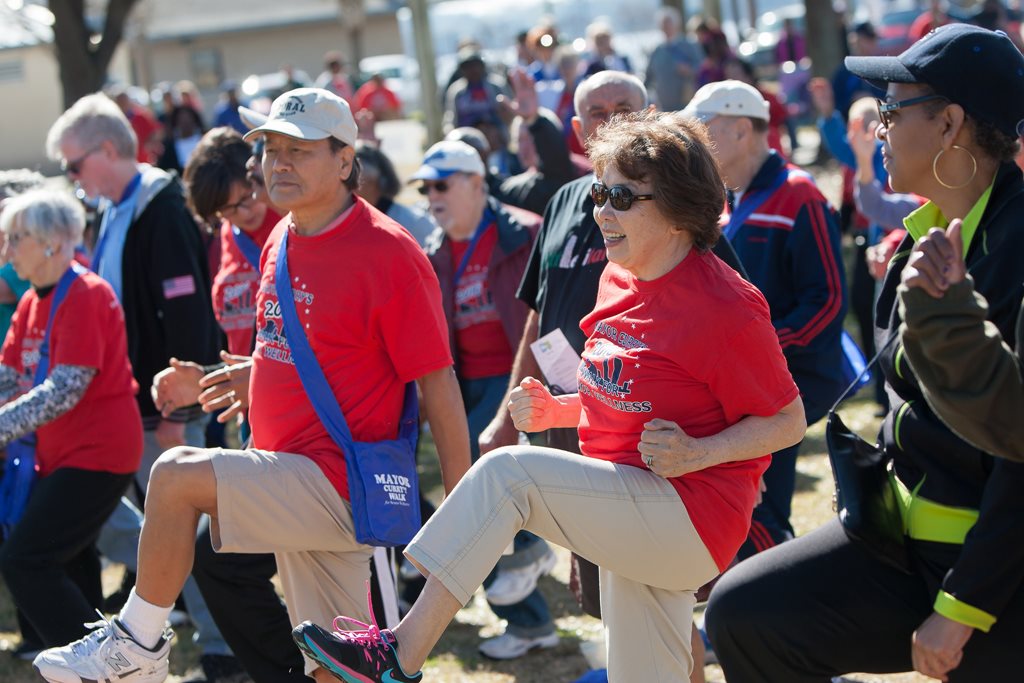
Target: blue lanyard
<point>485,223</point>
<point>750,204</point>
<point>69,276</point>
<point>129,191</point>
<point>247,246</point>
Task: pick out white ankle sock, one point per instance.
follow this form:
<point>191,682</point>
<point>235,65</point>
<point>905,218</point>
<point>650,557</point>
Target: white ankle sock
<point>144,620</point>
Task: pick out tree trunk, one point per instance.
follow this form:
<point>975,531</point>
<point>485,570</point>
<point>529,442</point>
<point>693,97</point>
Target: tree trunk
<point>822,26</point>
<point>83,65</point>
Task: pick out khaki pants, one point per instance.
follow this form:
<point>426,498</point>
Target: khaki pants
<point>627,520</point>
<point>282,503</point>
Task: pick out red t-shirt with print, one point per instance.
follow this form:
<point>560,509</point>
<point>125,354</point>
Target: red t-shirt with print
<point>103,431</point>
<point>695,347</point>
<point>236,283</point>
<point>481,344</point>
<point>371,306</point>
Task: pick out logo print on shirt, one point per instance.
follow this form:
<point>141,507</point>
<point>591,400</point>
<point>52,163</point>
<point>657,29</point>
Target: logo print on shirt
<point>606,376</point>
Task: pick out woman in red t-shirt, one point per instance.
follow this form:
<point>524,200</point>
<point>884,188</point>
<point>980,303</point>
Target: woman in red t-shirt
<point>221,194</point>
<point>80,411</point>
<point>683,391</point>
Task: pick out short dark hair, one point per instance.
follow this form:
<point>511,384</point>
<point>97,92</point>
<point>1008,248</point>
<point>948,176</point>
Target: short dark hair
<point>990,140</point>
<point>372,159</point>
<point>673,153</point>
<point>352,182</point>
<point>217,163</point>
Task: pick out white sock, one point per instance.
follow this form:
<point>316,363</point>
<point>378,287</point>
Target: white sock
<point>144,620</point>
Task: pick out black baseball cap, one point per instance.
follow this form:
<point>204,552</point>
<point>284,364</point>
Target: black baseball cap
<point>981,70</point>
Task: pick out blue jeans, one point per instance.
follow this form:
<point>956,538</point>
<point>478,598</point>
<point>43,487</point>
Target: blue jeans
<point>531,617</point>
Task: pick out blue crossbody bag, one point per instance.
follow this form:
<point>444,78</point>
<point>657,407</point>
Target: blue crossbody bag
<point>382,482</point>
<point>20,468</point>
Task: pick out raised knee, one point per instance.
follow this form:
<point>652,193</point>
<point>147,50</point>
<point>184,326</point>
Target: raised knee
<point>172,470</point>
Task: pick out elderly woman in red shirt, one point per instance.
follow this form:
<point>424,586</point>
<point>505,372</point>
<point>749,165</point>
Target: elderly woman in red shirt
<point>69,416</point>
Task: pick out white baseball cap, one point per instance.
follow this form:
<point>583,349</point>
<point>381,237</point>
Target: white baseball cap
<point>727,98</point>
<point>309,114</point>
<point>448,157</point>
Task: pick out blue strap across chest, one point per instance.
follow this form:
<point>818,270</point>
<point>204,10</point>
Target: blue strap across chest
<point>485,222</point>
<point>19,470</point>
<point>250,250</point>
<point>751,202</point>
<point>312,376</point>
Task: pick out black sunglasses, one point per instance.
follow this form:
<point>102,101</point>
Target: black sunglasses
<point>75,167</point>
<point>441,186</point>
<point>885,109</point>
<point>621,196</point>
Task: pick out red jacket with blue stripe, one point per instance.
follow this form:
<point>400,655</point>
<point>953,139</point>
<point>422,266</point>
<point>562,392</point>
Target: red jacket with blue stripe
<point>789,245</point>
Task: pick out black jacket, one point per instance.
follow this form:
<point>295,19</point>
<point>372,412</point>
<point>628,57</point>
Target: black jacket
<point>163,254</point>
<point>989,568</point>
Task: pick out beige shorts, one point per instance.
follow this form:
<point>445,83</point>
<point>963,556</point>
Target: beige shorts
<point>282,503</point>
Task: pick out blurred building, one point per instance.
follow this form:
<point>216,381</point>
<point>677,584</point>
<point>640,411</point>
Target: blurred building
<point>204,41</point>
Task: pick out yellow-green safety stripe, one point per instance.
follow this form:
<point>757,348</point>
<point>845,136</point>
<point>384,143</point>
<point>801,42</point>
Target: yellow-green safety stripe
<point>925,520</point>
<point>948,606</point>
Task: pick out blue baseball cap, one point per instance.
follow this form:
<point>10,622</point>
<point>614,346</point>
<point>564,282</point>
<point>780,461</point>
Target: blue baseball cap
<point>448,157</point>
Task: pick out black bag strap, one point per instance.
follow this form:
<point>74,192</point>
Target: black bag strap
<point>855,384</point>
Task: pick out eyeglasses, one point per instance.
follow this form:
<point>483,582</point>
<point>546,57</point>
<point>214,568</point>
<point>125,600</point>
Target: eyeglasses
<point>885,109</point>
<point>245,203</point>
<point>75,167</point>
<point>621,196</point>
<point>13,239</point>
<point>441,186</point>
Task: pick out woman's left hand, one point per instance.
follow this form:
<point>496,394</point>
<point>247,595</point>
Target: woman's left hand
<point>938,646</point>
<point>937,261</point>
<point>668,451</point>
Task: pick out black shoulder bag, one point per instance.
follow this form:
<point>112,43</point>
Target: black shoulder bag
<point>865,499</point>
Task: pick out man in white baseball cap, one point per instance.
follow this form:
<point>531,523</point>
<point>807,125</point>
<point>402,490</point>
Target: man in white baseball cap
<point>370,306</point>
<point>787,238</point>
<point>480,254</point>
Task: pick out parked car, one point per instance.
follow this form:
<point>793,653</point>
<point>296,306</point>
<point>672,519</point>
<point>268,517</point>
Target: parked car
<point>262,89</point>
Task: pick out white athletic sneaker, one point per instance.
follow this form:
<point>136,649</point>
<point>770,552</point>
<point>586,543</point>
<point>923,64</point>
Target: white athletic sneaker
<point>510,646</point>
<point>107,655</point>
<point>513,585</point>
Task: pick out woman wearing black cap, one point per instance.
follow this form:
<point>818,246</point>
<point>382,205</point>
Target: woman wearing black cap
<point>823,605</point>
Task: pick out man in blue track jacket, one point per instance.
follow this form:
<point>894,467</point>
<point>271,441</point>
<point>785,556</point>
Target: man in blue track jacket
<point>786,236</point>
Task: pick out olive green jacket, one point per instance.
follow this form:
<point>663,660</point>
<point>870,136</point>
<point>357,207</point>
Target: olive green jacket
<point>970,377</point>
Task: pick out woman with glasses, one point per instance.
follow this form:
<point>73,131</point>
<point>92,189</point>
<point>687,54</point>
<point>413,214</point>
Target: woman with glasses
<point>220,193</point>
<point>69,420</point>
<point>683,391</point>
<point>824,605</point>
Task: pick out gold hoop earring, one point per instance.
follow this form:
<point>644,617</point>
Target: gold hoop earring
<point>935,169</point>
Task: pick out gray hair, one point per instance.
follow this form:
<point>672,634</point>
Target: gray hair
<point>47,215</point>
<point>16,181</point>
<point>605,78</point>
<point>93,120</point>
